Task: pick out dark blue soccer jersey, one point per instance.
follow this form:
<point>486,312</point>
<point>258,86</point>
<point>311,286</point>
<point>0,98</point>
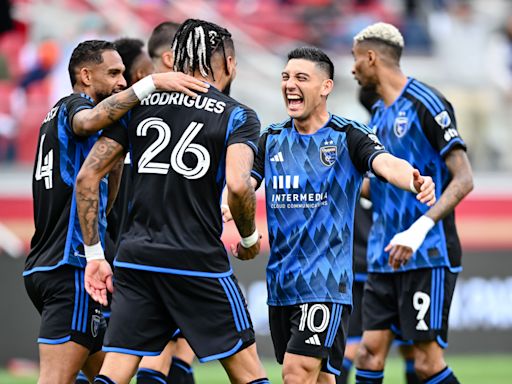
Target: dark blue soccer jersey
<point>312,184</point>
<point>60,153</point>
<point>419,127</point>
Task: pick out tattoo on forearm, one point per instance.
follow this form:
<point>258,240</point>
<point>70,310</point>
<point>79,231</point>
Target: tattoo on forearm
<point>460,185</point>
<point>87,203</point>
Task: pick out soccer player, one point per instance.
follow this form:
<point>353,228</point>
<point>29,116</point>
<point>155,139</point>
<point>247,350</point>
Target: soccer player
<point>313,165</point>
<point>413,252</point>
<point>160,46</point>
<point>172,270</point>
<point>72,324</point>
<point>362,224</point>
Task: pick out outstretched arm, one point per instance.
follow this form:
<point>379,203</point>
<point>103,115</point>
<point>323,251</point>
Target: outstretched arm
<point>242,199</point>
<point>89,121</point>
<point>103,156</point>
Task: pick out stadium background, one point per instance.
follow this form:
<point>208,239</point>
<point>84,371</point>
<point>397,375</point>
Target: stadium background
<point>460,47</point>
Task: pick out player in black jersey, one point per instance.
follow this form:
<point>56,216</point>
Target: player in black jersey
<point>71,323</point>
<point>172,270</point>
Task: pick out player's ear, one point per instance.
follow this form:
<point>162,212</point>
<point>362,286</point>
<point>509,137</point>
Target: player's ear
<point>85,76</point>
<point>168,59</point>
<point>231,66</point>
<point>371,56</point>
<point>327,86</point>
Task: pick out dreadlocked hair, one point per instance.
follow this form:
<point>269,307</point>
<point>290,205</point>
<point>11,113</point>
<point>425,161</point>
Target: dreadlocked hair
<point>195,43</point>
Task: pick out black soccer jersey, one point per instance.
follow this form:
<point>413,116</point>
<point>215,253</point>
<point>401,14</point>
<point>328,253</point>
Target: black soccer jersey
<point>60,153</point>
<point>178,151</point>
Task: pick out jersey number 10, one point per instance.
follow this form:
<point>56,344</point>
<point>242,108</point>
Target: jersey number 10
<point>183,146</point>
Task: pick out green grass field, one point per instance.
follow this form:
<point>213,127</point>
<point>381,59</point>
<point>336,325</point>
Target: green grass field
<point>489,369</point>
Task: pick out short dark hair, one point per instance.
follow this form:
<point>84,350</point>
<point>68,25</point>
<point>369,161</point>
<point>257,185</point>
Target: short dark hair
<point>162,35</point>
<point>89,51</point>
<point>195,43</point>
<point>130,50</point>
<point>315,55</point>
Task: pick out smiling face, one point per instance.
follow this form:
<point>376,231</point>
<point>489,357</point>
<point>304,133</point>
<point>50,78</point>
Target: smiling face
<point>305,88</point>
<point>107,78</point>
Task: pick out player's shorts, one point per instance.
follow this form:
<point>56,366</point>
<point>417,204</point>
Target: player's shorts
<point>413,304</point>
<point>150,308</point>
<point>355,325</point>
<point>311,329</point>
<point>67,312</point>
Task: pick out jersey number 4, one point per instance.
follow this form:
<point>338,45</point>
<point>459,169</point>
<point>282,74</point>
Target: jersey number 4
<point>44,166</point>
<point>184,145</point>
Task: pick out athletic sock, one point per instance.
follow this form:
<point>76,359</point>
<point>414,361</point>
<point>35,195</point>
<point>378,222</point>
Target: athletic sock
<point>180,373</point>
<point>446,376</point>
<point>410,373</point>
<point>364,376</point>
<point>102,379</point>
<point>345,371</point>
<point>150,376</point>
<point>81,378</point>
<point>263,380</point>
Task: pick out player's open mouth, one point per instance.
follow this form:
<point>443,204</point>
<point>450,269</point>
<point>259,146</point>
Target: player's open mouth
<point>294,100</point>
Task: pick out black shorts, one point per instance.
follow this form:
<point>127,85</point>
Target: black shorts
<point>67,312</point>
<point>355,325</point>
<point>150,308</point>
<point>311,329</point>
<point>413,304</point>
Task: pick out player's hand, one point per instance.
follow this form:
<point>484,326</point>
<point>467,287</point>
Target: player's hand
<point>399,255</point>
<point>426,187</point>
<point>180,82</point>
<point>226,213</point>
<point>98,279</point>
<point>243,253</point>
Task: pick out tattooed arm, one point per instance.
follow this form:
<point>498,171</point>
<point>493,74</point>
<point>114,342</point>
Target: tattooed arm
<point>89,121</point>
<point>241,196</point>
<point>460,185</point>
<point>104,155</point>
<point>114,181</point>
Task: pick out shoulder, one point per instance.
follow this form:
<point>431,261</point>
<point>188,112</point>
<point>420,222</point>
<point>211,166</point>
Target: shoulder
<point>342,124</point>
<point>277,128</point>
<point>427,97</point>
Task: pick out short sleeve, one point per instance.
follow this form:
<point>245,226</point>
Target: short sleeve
<point>363,146</point>
<point>75,103</point>
<point>118,132</point>
<point>258,168</point>
<point>441,129</point>
<point>243,127</point>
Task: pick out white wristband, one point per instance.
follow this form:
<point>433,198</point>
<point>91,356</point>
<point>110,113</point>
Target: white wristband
<point>423,225</point>
<point>411,186</point>
<point>414,236</point>
<point>249,241</point>
<point>144,87</point>
<point>94,252</point>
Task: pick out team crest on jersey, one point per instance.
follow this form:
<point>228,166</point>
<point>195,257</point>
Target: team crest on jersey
<point>328,153</point>
<point>401,124</point>
<point>443,119</point>
<point>95,325</point>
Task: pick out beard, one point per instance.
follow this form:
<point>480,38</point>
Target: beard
<point>227,88</point>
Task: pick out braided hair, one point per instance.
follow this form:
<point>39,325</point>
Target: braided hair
<point>195,43</point>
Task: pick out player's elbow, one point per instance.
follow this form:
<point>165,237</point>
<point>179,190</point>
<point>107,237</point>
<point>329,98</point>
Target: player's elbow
<point>240,187</point>
<point>86,179</point>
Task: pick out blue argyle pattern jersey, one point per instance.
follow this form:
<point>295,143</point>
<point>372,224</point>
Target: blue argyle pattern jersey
<point>419,127</point>
<point>312,183</point>
<point>60,154</point>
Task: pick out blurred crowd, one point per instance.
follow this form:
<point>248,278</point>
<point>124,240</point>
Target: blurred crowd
<point>469,44</point>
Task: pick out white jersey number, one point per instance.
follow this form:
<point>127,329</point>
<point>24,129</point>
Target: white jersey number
<point>183,146</point>
<point>308,317</point>
<point>421,303</point>
<point>44,166</point>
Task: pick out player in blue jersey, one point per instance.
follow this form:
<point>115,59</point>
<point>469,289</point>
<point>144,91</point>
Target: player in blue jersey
<point>172,272</point>
<point>313,165</point>
<point>71,323</point>
<point>413,252</point>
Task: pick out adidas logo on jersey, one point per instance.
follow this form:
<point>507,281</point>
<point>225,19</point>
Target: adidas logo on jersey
<point>313,340</point>
<point>278,158</point>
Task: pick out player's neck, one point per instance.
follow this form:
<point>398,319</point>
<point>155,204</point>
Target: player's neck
<point>312,124</point>
<point>217,83</point>
<point>391,86</point>
<point>81,89</point>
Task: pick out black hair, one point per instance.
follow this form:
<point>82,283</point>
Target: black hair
<point>195,43</point>
<point>386,47</point>
<point>162,36</point>
<point>130,50</point>
<point>368,97</point>
<point>315,55</point>
<point>89,51</point>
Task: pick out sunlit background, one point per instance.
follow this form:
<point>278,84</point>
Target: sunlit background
<point>463,48</point>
